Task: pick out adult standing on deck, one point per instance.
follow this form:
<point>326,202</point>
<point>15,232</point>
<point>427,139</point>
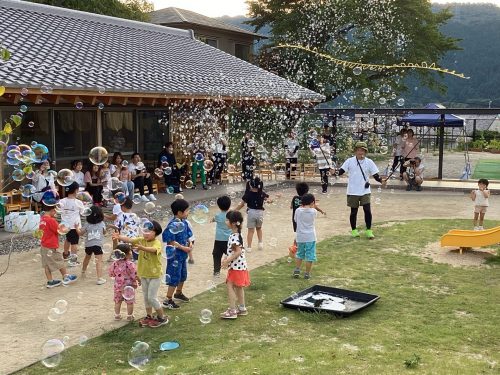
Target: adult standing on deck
<point>291,153</point>
<point>247,158</point>
<point>359,169</point>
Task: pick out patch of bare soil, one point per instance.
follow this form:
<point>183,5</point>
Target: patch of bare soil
<point>475,257</point>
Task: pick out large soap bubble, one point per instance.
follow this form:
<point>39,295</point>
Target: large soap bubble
<point>18,175</point>
<point>128,293</point>
<point>140,355</point>
<point>149,208</point>
<point>51,353</point>
<point>176,227</point>
<point>98,155</point>
<point>205,316</point>
<point>27,190</point>
<point>65,177</point>
<point>50,198</point>
<point>116,184</point>
<point>208,165</point>
<point>85,198</point>
<point>199,214</point>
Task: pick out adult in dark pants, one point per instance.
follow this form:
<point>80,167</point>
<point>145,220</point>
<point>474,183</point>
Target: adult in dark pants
<point>141,177</point>
<point>219,158</point>
<point>172,179</point>
<point>247,158</point>
<point>360,168</point>
<point>291,153</point>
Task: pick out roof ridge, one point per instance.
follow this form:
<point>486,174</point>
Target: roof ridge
<point>177,10</point>
<point>93,17</point>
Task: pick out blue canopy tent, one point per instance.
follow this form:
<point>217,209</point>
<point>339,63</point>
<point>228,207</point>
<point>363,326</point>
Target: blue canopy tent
<point>434,120</point>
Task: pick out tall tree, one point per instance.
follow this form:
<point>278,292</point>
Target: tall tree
<point>130,9</point>
<point>367,31</point>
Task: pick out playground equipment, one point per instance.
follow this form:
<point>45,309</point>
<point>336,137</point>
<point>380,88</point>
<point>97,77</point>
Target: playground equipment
<point>466,239</point>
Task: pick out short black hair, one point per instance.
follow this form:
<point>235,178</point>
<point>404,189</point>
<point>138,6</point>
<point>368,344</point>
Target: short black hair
<point>224,203</point>
<point>96,216</point>
<point>46,208</point>
<point>168,144</point>
<point>128,203</point>
<point>72,188</point>
<point>308,199</point>
<point>483,181</point>
<point>156,227</point>
<point>124,248</point>
<point>302,188</point>
<point>135,153</point>
<point>179,205</point>
<point>74,163</point>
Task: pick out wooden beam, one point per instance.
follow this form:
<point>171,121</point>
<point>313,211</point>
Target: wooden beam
<point>39,99</point>
<point>94,100</point>
<point>17,99</point>
<point>110,100</point>
<point>58,99</point>
<point>153,102</point>
<point>139,102</point>
<point>124,101</point>
<point>167,100</point>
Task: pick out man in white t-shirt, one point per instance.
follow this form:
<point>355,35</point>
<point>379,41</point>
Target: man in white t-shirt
<point>360,168</point>
<point>291,152</point>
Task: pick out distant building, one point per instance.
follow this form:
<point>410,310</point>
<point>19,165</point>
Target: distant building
<point>228,38</point>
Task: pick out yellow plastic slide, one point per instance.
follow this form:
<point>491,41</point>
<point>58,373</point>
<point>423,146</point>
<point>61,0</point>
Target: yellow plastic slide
<point>471,238</point>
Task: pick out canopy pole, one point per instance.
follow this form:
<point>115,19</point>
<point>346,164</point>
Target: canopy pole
<point>441,146</point>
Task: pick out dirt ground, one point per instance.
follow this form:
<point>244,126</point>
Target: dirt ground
<point>26,302</point>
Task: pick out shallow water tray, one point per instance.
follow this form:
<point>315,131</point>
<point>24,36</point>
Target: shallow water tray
<point>320,298</point>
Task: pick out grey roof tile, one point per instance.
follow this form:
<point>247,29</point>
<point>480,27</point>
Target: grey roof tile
<point>66,48</point>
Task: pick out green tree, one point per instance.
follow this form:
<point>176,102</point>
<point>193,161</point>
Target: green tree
<point>130,9</point>
<point>368,31</point>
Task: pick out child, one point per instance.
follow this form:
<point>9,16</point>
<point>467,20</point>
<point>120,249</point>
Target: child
<point>94,185</point>
<point>126,179</point>
<point>305,216</point>
<point>254,198</point>
<point>222,232</point>
<point>237,274</point>
<point>125,273</point>
<point>149,272</point>
<point>105,175</point>
<point>95,230</point>
<point>52,260</point>
<point>176,265</point>
<point>76,167</point>
<point>70,217</point>
<point>301,188</point>
<point>480,198</point>
<point>129,223</point>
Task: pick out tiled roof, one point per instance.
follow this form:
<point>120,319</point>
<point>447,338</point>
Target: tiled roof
<point>173,15</point>
<point>72,50</point>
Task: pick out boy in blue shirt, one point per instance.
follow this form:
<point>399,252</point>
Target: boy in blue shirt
<point>177,234</point>
<point>222,233</point>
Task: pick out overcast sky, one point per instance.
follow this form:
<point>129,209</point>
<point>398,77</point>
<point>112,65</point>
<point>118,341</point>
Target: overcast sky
<point>216,8</point>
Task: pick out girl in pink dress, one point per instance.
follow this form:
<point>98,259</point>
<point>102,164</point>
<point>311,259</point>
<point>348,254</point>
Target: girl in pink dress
<point>125,273</point>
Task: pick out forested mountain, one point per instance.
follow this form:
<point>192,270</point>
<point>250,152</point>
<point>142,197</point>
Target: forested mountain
<point>478,27</point>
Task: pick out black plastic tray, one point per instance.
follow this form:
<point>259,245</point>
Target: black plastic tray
<point>354,301</point>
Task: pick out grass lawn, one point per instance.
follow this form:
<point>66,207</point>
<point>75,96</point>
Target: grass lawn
<point>488,168</point>
<point>439,319</point>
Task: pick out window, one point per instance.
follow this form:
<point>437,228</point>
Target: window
<point>35,127</point>
<point>153,133</point>
<point>118,133</point>
<point>210,41</point>
<point>242,51</point>
<point>75,134</point>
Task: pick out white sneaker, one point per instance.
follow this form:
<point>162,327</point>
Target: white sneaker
<point>261,246</point>
<point>152,197</point>
<point>101,281</point>
<point>480,228</point>
<point>248,250</point>
<point>144,198</point>
<point>476,228</point>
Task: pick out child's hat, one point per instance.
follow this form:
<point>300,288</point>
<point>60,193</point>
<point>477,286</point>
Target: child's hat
<point>362,145</point>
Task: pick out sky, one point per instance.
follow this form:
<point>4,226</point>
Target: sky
<point>217,8</point>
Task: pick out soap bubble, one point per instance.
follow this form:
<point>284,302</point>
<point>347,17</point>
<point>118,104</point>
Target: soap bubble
<point>164,162</point>
<point>208,165</point>
<point>376,94</point>
<point>158,172</point>
<point>401,102</point>
<point>382,100</point>
<point>28,190</point>
<point>167,278</point>
<point>377,200</point>
<point>24,91</point>
<point>384,150</point>
<point>149,208</point>
<point>23,108</point>
<point>61,306</point>
<point>65,340</point>
<point>366,91</point>
<point>199,156</point>
<point>18,175</point>
<point>50,198</point>
<point>51,353</point>
<point>65,177</point>
<point>283,321</point>
<point>140,355</point>
<point>128,293</point>
<point>98,155</point>
<point>379,189</point>
<point>167,171</point>
<point>179,196</point>
<point>124,163</point>
<point>137,198</point>
<point>169,251</point>
<point>161,370</point>
<point>116,184</point>
<point>211,286</point>
<point>205,316</point>
<point>170,190</point>
<point>45,89</point>
<point>176,227</point>
<point>199,214</point>
<point>82,340</point>
<point>31,124</point>
<point>100,106</point>
<point>101,89</point>
<point>54,315</point>
<point>62,229</point>
<point>357,71</point>
<point>84,197</point>
<point>120,198</point>
<point>189,184</point>
<point>273,242</point>
<point>87,211</point>
<point>79,105</point>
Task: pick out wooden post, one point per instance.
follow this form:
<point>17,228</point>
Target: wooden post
<point>441,146</point>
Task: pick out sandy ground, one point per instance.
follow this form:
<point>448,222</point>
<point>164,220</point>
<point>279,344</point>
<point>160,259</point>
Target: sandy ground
<point>26,302</point>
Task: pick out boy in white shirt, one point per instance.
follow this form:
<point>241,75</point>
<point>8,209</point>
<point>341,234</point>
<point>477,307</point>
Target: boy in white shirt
<point>480,197</point>
<point>305,217</point>
<point>70,217</point>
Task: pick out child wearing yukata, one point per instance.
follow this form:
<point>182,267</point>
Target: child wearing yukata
<point>198,164</point>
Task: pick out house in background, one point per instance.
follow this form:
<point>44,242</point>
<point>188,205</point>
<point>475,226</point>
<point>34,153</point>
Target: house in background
<point>228,38</point>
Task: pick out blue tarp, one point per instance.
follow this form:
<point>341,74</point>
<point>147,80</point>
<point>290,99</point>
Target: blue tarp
<point>432,119</point>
